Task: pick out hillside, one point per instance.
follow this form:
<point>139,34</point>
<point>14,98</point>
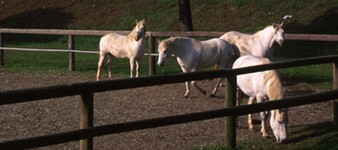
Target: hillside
<point>310,16</point>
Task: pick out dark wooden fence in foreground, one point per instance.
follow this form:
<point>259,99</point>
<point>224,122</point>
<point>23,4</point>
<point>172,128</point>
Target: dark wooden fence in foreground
<point>87,91</point>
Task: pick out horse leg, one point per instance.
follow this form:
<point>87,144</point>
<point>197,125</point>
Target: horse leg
<point>216,87</point>
<point>109,62</point>
<point>132,66</point>
<point>187,91</point>
<point>240,96</point>
<point>251,127</point>
<point>263,119</point>
<point>198,87</point>
<point>187,84</point>
<point>99,66</point>
<point>137,68</point>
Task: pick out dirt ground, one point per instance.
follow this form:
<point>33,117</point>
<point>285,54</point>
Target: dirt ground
<point>62,114</point>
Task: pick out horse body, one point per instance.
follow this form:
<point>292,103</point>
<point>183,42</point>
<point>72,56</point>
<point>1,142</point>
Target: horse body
<point>258,44</point>
<point>192,55</point>
<point>120,46</point>
<point>263,86</point>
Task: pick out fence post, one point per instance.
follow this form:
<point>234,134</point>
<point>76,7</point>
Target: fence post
<point>71,46</point>
<point>86,118</point>
<point>230,101</point>
<point>152,67</point>
<point>1,51</point>
<point>335,86</point>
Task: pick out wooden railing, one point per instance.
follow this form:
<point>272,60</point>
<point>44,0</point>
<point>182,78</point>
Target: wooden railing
<point>151,40</point>
<point>87,90</point>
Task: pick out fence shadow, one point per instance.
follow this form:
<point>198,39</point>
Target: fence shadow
<point>325,24</point>
<point>326,133</point>
<point>42,18</point>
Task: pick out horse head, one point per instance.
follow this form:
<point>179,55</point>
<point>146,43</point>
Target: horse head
<point>140,29</point>
<point>278,123</point>
<point>164,52</point>
<point>278,34</point>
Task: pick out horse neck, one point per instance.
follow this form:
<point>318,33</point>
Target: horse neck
<point>132,34</point>
<point>266,36</point>
<point>273,85</point>
<point>174,46</point>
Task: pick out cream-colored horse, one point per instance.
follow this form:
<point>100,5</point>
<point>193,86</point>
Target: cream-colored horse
<point>258,44</point>
<point>120,46</point>
<point>192,55</point>
<point>263,86</point>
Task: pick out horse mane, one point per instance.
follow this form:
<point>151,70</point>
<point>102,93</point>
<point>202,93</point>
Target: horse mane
<point>265,29</point>
<point>178,39</point>
<point>272,81</point>
<point>275,89</point>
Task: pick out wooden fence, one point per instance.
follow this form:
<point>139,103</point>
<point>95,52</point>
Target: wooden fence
<point>86,90</point>
<point>151,40</point>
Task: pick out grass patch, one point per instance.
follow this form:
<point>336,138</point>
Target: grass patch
<point>315,137</point>
<point>318,75</point>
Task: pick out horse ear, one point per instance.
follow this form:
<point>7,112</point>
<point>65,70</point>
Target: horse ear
<point>274,25</point>
<point>158,41</point>
<point>144,21</point>
<point>281,24</point>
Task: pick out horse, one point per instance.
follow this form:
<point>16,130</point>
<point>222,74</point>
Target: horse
<point>262,86</point>
<point>119,46</point>
<point>193,54</point>
<point>258,44</point>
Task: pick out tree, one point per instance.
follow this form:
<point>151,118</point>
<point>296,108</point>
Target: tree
<point>185,15</point>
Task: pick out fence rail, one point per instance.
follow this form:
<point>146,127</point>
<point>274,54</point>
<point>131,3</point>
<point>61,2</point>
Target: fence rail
<point>165,121</point>
<point>150,34</point>
<point>313,37</point>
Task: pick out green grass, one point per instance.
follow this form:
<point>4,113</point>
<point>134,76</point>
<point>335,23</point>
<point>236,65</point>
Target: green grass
<point>318,136</point>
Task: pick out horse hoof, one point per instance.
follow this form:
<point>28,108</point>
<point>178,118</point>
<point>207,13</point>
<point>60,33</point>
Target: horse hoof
<point>251,129</point>
<point>265,136</point>
<point>212,95</point>
<point>204,92</point>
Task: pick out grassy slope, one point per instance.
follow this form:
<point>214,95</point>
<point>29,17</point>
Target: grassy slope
<point>310,16</point>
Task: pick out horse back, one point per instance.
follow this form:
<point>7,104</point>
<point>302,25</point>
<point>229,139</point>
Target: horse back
<point>252,84</point>
<point>121,46</point>
<point>215,51</point>
<point>241,40</point>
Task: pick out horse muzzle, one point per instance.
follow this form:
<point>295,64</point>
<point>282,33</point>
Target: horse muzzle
<point>281,141</point>
<point>161,64</point>
<point>139,35</point>
<point>280,42</point>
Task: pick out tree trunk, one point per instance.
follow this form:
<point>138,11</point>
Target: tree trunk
<point>185,15</point>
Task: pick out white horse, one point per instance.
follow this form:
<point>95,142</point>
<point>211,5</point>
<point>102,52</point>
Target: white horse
<point>261,86</point>
<point>258,44</point>
<point>192,55</point>
<point>120,46</point>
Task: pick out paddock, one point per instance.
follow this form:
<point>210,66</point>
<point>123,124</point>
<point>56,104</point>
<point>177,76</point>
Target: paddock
<point>62,114</point>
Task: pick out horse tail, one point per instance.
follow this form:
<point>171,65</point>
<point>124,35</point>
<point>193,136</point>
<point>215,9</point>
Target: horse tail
<point>236,54</point>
